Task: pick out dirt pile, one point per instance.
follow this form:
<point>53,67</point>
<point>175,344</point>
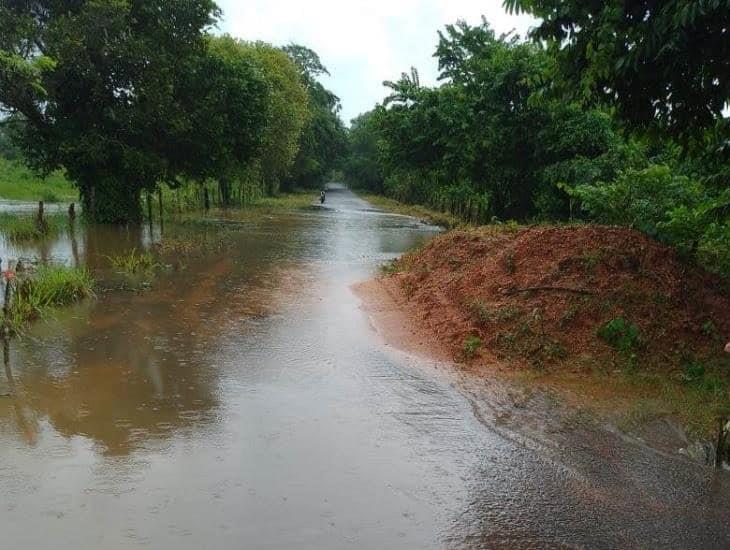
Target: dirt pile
<point>575,297</point>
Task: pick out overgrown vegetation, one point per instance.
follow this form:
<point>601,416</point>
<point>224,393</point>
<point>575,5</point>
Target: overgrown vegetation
<point>23,228</point>
<point>549,129</point>
<point>47,287</point>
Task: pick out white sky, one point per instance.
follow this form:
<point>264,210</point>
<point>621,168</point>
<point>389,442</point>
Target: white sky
<point>363,42</point>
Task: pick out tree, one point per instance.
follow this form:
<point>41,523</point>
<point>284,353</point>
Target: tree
<point>288,111</point>
<point>99,85</point>
<point>225,107</point>
<point>323,141</point>
<point>661,63</point>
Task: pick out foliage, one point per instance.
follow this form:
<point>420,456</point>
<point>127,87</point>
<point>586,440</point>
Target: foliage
<point>288,112</point>
<point>661,64</point>
<point>674,208</point>
<point>484,144</point>
<point>99,87</point>
<point>621,334</point>
<point>133,262</point>
<point>23,228</point>
<point>323,140</point>
<point>471,346</point>
<point>48,287</point>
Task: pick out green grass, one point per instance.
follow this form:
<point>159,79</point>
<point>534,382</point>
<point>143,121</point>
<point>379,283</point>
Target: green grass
<point>23,227</point>
<point>133,262</point>
<point>471,346</point>
<point>49,287</point>
<point>17,182</point>
<point>434,217</point>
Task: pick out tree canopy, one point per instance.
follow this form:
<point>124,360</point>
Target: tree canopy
<point>661,63</point>
<point>132,94</point>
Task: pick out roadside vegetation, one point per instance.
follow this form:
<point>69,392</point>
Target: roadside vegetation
<point>23,228</point>
<point>429,215</point>
<point>235,119</point>
<point>526,129</point>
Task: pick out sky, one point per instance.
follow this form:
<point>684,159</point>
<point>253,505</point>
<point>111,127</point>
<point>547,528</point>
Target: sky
<point>363,42</point>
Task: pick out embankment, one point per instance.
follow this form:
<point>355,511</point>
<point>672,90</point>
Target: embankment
<point>607,316</point>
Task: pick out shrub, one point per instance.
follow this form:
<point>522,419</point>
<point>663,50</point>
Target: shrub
<point>620,334</point>
<point>471,346</point>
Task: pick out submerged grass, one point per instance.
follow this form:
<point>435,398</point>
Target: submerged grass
<point>133,262</point>
<point>22,228</point>
<point>50,286</point>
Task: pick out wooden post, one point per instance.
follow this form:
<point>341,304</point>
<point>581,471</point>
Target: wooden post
<point>206,199</point>
<point>159,199</point>
<point>6,305</point>
<point>6,362</point>
<point>40,219</point>
<point>149,214</point>
<point>722,453</point>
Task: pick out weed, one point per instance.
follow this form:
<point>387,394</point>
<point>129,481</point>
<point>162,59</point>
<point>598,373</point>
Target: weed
<point>710,330</point>
<point>509,262</point>
<point>26,228</point>
<point>471,346</point>
<point>620,334</point>
<point>46,288</point>
<point>592,258</point>
<point>483,314</point>
<point>133,262</point>
<point>390,268</point>
<point>409,288</point>
<point>568,315</point>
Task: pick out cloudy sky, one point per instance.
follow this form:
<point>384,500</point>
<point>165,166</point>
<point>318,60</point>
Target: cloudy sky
<point>362,42</point>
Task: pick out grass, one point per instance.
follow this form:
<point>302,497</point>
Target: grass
<point>133,270</point>
<point>21,228</point>
<point>471,346</point>
<point>133,262</point>
<point>50,286</point>
<point>443,219</point>
<point>17,182</point>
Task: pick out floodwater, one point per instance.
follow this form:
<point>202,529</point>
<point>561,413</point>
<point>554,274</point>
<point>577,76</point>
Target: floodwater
<point>246,402</point>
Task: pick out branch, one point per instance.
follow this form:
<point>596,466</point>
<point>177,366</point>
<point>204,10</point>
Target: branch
<point>512,291</point>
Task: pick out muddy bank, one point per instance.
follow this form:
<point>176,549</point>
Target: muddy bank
<point>605,318</point>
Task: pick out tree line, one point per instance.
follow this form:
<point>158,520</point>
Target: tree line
<point>609,112</point>
<point>131,95</point>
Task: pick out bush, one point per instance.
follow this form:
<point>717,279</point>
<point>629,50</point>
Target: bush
<point>471,346</point>
<point>675,209</point>
<point>620,334</point>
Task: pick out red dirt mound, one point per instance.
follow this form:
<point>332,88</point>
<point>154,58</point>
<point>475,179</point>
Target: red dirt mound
<point>543,296</point>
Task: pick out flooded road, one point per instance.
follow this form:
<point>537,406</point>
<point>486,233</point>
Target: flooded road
<point>246,402</point>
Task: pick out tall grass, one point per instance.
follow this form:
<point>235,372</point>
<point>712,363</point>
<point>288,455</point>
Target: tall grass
<point>50,286</point>
<point>21,228</point>
<point>133,262</point>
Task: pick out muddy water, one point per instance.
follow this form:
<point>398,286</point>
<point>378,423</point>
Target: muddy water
<point>245,402</point>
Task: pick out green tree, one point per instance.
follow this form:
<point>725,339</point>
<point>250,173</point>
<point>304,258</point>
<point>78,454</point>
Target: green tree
<point>288,111</point>
<point>323,142</point>
<point>225,107</point>
<point>99,85</point>
<point>661,63</point>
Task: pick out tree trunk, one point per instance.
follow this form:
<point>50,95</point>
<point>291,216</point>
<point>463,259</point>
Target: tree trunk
<point>108,200</point>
